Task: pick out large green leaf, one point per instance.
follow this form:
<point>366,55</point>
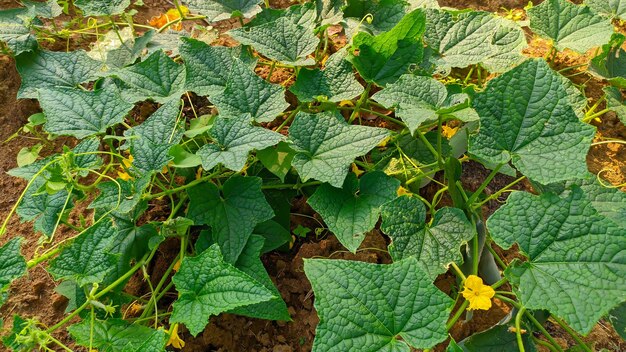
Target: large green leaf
<point>329,11</point>
<point>116,335</point>
<point>247,93</point>
<point>12,264</point>
<point>234,139</point>
<point>576,265</point>
<point>499,338</point>
<point>87,259</point>
<point>41,70</point>
<point>336,82</point>
<point>383,58</point>
<point>43,208</point>
<point>615,102</point>
<point>151,141</point>
<point>285,39</point>
<point>467,38</point>
<point>157,77</point>
<point>102,7</point>
<point>610,64</point>
<point>353,210</point>
<point>250,263</point>
<point>47,9</point>
<point>526,118</point>
<point>372,307</point>
<point>80,113</point>
<point>383,15</point>
<point>614,8</point>
<point>217,10</point>
<point>570,26</point>
<point>418,99</point>
<point>326,145</point>
<point>15,30</point>
<point>277,160</point>
<point>208,285</point>
<point>208,67</point>
<point>232,213</point>
<point>435,244</point>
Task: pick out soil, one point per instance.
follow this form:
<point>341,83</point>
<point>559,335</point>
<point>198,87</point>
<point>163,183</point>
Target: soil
<point>34,296</point>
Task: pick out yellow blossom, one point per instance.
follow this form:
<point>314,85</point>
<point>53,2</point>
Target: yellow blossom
<point>448,132</point>
<point>135,308</point>
<point>176,266</point>
<point>174,340</point>
<point>402,191</point>
<point>477,294</point>
<point>171,15</point>
<point>123,174</point>
<point>356,170</point>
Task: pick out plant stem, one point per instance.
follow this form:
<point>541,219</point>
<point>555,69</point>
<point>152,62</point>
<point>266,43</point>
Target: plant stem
<point>458,271</point>
<point>499,283</point>
<point>293,185</point>
<point>360,102</point>
<point>457,315</point>
<point>543,331</point>
<point>288,119</point>
<point>518,329</point>
<point>181,188</point>
<point>572,333</point>
<point>484,185</point>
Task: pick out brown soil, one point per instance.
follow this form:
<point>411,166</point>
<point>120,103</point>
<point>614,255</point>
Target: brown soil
<point>33,295</point>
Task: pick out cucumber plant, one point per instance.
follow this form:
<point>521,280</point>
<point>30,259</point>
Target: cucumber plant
<point>417,95</point>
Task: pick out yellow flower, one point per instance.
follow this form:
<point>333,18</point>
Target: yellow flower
<point>402,191</point>
<point>174,340</point>
<point>478,294</point>
<point>171,15</point>
<point>122,173</point>
<point>448,132</point>
<point>358,172</point>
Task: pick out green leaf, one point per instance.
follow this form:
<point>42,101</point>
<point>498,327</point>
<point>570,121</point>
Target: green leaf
<point>217,10</point>
<point>277,159</point>
<point>41,70</point>
<point>151,141</point>
<point>570,26</point>
<point>336,82</point>
<point>87,259</point>
<point>435,244</point>
<point>247,93</point>
<point>610,64</point>
<point>353,210</point>
<point>121,196</point>
<point>467,38</point>
<point>285,39</point>
<point>208,285</point>
<point>102,7</point>
<point>208,67</point>
<point>273,233</point>
<point>234,139</point>
<point>28,155</point>
<point>43,208</point>
<point>47,9</point>
<point>526,118</point>
<point>79,113</point>
<point>326,145</point>
<point>15,30</point>
<point>157,78</point>
<point>617,317</point>
<point>415,98</point>
<point>12,265</point>
<point>232,213</point>
<point>372,307</point>
<point>75,294</point>
<point>250,263</point>
<point>576,264</point>
<point>496,339</point>
<point>181,158</point>
<point>113,335</point>
<point>615,102</point>
<point>384,15</point>
<point>329,11</point>
<point>383,58</point>
<point>85,156</point>
<point>613,8</point>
